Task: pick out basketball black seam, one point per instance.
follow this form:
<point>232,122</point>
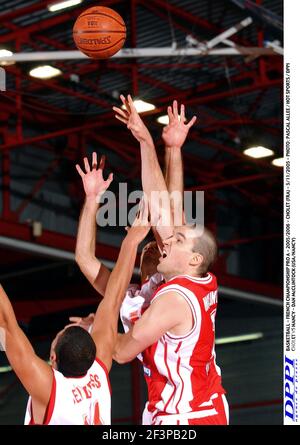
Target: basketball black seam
<point>102,49</point>
<point>102,13</point>
<point>97,32</point>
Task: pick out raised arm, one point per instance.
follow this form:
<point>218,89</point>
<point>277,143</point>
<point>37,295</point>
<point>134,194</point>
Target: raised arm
<point>174,135</point>
<point>152,176</point>
<point>94,186</point>
<point>105,326</point>
<point>34,373</point>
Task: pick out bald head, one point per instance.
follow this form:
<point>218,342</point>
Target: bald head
<point>205,243</point>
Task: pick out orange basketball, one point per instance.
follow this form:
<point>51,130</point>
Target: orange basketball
<point>99,32</point>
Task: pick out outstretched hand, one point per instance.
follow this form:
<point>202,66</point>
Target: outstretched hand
<point>132,119</point>
<point>141,225</point>
<point>83,322</point>
<point>93,182</point>
<point>175,133</point>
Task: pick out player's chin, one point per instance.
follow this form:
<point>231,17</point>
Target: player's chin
<point>161,266</point>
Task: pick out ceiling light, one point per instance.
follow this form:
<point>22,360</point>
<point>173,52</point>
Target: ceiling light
<point>142,106</point>
<point>258,152</point>
<point>6,53</point>
<point>164,120</point>
<point>279,162</point>
<point>45,72</point>
<point>62,5</point>
<point>239,338</point>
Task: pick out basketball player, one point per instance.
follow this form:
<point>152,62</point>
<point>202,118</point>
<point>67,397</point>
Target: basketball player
<point>176,333</point>
<point>137,297</point>
<point>75,389</point>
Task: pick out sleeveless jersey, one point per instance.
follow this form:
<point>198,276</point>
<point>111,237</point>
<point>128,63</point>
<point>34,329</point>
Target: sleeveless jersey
<point>78,401</point>
<point>180,371</point>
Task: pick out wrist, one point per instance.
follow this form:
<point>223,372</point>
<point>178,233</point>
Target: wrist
<point>173,147</point>
<point>130,242</point>
<point>92,202</point>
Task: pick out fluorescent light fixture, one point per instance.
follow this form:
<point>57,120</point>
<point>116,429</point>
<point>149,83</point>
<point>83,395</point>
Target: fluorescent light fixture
<point>279,162</point>
<point>4,369</point>
<point>5,53</point>
<point>258,152</point>
<point>164,120</point>
<point>45,72</point>
<point>53,7</point>
<point>142,106</point>
<point>239,338</point>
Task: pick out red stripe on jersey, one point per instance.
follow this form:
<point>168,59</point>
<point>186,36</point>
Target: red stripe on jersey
<point>50,407</point>
<point>169,375</point>
<point>182,386</point>
<point>103,366</point>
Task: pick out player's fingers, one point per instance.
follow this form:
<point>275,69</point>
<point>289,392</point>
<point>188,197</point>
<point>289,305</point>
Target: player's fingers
<point>110,178</point>
<point>102,162</point>
<point>175,109</point>
<point>78,168</point>
<point>121,112</point>
<point>182,113</point>
<point>170,114</point>
<point>125,102</point>
<point>87,165</point>
<point>94,160</point>
<point>125,121</point>
<point>75,319</point>
<point>192,121</point>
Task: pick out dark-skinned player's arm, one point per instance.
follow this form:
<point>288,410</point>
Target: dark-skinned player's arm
<point>34,373</point>
<point>105,326</point>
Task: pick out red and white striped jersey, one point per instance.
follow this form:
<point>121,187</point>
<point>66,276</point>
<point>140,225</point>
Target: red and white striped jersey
<point>78,401</point>
<point>180,371</point>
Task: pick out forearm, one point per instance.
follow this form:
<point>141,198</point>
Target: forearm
<point>126,348</point>
<point>175,183</point>
<point>121,275</point>
<point>14,340</point>
<point>154,186</point>
<point>86,240</point>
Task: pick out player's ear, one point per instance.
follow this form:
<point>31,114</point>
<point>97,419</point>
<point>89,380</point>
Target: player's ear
<point>53,359</point>
<point>196,260</point>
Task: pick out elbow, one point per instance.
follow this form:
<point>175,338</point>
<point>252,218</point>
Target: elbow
<point>121,359</point>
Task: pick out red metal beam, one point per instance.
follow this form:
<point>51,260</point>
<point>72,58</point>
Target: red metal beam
<point>48,23</point>
<point>236,91</point>
<point>253,239</point>
<point>53,239</point>
<point>6,185</point>
<point>229,182</point>
<point>37,187</point>
<point>21,12</point>
<point>181,13</point>
<point>256,287</point>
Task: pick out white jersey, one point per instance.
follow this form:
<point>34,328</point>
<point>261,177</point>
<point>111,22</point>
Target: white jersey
<point>78,400</point>
<point>137,300</point>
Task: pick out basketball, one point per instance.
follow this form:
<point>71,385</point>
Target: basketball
<point>99,32</point>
